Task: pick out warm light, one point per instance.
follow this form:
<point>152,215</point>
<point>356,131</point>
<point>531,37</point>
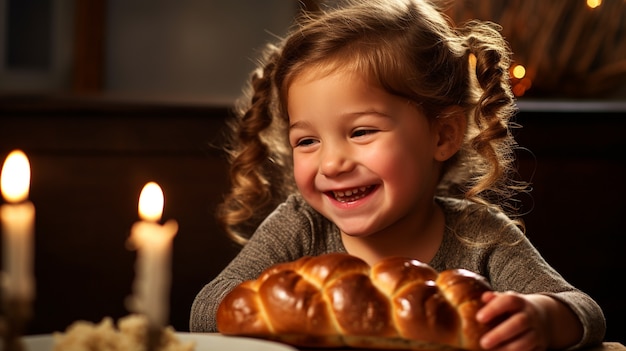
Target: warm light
<point>154,244</point>
<point>15,177</point>
<point>519,72</point>
<point>151,202</point>
<point>594,3</point>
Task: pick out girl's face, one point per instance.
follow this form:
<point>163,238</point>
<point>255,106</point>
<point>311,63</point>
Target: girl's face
<point>363,158</point>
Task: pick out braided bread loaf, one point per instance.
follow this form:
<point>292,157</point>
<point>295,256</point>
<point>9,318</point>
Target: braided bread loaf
<point>337,300</point>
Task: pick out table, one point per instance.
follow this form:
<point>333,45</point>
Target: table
<point>609,346</point>
<point>606,346</point>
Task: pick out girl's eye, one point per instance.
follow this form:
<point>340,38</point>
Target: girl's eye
<point>363,132</point>
<point>305,142</point>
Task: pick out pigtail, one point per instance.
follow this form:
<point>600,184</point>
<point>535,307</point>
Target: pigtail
<point>491,140</point>
<point>257,162</point>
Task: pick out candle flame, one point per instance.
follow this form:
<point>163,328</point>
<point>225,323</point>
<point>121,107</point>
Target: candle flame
<point>15,177</point>
<point>151,202</point>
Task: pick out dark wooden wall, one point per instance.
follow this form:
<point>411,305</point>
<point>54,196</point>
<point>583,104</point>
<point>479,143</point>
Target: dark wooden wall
<point>576,164</point>
<point>90,159</point>
<point>89,163</point>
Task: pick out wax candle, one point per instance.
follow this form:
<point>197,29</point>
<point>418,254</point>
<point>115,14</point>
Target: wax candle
<point>18,222</point>
<point>153,242</point>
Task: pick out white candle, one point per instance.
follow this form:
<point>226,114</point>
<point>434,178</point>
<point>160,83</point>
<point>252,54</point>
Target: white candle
<point>153,267</point>
<point>18,222</point>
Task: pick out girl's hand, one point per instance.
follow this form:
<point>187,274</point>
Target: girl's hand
<point>521,321</point>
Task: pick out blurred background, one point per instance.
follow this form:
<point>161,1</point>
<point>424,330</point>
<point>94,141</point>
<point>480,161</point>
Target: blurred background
<point>203,50</point>
<point>106,95</point>
<point>190,50</point>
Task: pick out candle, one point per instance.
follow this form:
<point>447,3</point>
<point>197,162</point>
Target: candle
<point>18,222</point>
<point>153,242</point>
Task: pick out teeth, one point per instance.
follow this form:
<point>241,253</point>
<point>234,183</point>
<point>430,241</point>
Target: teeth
<point>351,194</point>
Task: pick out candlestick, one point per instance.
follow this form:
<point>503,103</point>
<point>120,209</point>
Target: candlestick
<point>18,218</point>
<point>153,267</point>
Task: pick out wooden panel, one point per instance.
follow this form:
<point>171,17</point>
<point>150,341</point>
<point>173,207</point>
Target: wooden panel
<point>577,203</point>
<point>89,43</point>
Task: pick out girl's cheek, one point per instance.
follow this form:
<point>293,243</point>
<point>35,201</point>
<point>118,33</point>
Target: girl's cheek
<point>304,173</point>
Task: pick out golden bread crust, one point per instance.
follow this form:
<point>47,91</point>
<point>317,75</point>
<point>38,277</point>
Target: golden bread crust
<point>337,300</point>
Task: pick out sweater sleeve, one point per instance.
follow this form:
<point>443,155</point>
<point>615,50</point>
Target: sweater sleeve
<point>290,232</point>
<point>521,268</point>
<point>490,244</point>
<point>589,314</point>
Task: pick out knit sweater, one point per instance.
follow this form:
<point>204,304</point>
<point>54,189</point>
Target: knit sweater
<point>475,238</point>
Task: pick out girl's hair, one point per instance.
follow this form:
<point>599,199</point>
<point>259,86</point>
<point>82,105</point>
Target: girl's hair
<point>410,49</point>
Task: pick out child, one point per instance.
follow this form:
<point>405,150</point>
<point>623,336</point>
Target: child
<point>378,129</point>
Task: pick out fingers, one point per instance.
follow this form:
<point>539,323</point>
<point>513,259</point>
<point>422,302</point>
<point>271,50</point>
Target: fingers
<point>512,331</point>
<point>514,328</point>
<point>499,305</point>
<point>526,341</point>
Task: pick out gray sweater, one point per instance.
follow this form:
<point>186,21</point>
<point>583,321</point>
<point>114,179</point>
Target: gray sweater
<point>477,239</point>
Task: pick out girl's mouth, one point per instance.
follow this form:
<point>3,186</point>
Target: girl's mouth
<point>350,195</point>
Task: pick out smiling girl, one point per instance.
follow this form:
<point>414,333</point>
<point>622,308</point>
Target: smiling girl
<point>379,129</point>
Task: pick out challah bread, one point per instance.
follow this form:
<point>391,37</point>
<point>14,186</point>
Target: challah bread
<point>337,300</point>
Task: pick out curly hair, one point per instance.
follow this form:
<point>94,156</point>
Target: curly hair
<point>411,49</point>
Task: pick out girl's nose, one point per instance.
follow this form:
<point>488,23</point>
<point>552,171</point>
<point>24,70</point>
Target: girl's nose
<point>335,161</point>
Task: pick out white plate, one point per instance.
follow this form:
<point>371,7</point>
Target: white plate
<point>204,342</point>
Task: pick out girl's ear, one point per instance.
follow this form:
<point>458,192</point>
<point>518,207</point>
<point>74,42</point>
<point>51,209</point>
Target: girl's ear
<point>450,128</point>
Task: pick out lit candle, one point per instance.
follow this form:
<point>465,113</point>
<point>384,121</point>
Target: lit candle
<point>18,222</point>
<point>153,267</point>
